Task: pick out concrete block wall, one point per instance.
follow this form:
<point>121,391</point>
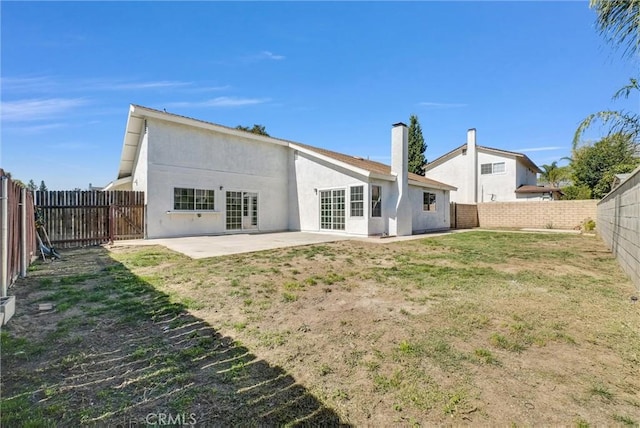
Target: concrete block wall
<point>618,224</point>
<point>537,214</point>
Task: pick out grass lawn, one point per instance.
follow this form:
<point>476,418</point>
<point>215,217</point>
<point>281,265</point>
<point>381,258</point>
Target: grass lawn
<point>469,328</point>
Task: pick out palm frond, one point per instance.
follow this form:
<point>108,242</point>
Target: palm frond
<point>620,122</point>
<point>626,90</point>
<point>619,22</point>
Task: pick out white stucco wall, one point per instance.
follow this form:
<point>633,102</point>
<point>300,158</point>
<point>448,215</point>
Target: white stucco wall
<point>181,156</point>
<point>141,166</point>
<point>524,176</point>
<point>454,173</point>
<point>429,220</point>
<point>498,187</point>
<point>307,177</point>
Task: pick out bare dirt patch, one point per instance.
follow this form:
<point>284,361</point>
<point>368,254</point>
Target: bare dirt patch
<point>471,328</point>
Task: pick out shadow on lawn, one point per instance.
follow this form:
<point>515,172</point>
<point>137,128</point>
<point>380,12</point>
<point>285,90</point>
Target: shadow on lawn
<point>119,353</point>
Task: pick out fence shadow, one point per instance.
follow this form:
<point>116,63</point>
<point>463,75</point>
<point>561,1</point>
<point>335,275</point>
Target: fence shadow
<point>116,352</point>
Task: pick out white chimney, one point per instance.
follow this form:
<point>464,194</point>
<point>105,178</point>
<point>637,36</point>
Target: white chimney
<point>400,221</point>
<point>472,167</point>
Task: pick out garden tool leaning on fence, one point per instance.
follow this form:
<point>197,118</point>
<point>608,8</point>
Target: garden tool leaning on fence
<point>46,251</point>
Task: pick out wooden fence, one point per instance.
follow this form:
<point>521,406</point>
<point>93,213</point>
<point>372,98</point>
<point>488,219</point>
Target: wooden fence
<point>463,216</point>
<point>81,218</point>
<point>19,237</point>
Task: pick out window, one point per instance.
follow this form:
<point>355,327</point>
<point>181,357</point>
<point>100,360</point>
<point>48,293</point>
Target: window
<point>492,168</point>
<point>376,201</point>
<point>193,199</point>
<point>357,201</point>
<point>204,199</point>
<point>182,199</point>
<point>428,201</point>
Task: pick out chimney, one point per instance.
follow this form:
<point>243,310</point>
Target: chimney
<point>401,217</point>
<point>472,167</point>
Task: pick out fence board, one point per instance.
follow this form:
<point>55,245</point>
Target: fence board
<point>81,218</point>
<point>14,230</point>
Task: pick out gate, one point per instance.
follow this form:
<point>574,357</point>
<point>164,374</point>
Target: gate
<point>81,218</point>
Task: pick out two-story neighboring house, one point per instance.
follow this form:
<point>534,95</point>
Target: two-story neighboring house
<point>485,174</point>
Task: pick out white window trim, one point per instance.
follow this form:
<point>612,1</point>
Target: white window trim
<point>370,200</point>
<point>193,211</point>
<point>331,189</point>
<point>361,201</point>
<point>492,168</point>
<point>436,203</point>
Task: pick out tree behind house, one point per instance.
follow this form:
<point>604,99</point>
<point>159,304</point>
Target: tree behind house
<point>595,166</point>
<point>256,129</point>
<point>554,174</point>
<point>417,146</point>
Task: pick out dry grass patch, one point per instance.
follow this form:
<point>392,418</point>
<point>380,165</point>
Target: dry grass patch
<point>477,327</point>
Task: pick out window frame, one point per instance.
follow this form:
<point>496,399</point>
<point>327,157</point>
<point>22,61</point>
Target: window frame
<point>504,168</point>
<point>376,204</point>
<point>356,205</point>
<point>431,202</point>
<point>492,168</point>
<point>192,199</point>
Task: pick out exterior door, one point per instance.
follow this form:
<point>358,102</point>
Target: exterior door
<point>242,210</point>
<point>249,210</point>
<point>332,209</point>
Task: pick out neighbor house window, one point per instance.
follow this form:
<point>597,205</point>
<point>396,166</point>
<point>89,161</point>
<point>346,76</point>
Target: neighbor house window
<point>193,199</point>
<point>357,201</point>
<point>428,201</point>
<point>492,168</point>
<point>376,201</point>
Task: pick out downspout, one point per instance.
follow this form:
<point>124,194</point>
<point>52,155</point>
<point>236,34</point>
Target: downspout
<point>4,232</point>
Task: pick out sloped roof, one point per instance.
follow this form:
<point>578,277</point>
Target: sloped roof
<point>373,166</point>
<point>537,189</point>
<point>138,113</point>
<point>458,150</point>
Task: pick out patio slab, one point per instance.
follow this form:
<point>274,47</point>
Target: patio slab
<point>200,247</point>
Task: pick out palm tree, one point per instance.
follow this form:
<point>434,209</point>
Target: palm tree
<point>621,121</point>
<point>554,174</point>
<point>619,22</point>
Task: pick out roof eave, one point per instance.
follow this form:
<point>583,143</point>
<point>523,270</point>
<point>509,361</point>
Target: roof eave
<point>438,186</point>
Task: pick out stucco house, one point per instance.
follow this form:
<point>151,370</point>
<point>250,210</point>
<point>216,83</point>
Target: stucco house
<point>484,174</point>
<point>201,178</point>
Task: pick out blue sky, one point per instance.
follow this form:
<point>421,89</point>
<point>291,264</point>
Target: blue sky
<point>334,75</point>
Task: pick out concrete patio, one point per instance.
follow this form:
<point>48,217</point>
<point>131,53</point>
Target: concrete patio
<point>200,247</point>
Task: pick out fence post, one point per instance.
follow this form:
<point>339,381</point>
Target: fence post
<point>23,232</point>
<point>111,223</point>
<point>4,236</point>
